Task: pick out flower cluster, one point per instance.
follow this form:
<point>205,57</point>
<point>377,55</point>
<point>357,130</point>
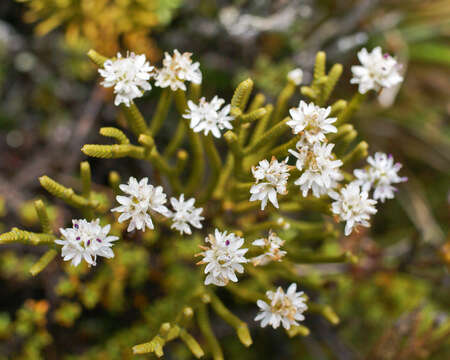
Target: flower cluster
<point>319,167</point>
<point>272,249</point>
<point>177,69</point>
<point>208,116</point>
<point>377,71</point>
<point>312,122</point>
<point>285,308</point>
<point>353,205</point>
<point>141,199</point>
<point>381,173</point>
<point>86,240</point>
<point>185,214</point>
<point>128,76</point>
<point>224,257</point>
<point>271,178</point>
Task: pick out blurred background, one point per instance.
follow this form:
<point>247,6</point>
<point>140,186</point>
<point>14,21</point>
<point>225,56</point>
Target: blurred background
<point>390,304</point>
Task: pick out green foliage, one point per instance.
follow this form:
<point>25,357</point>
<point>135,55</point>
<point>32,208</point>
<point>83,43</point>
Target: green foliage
<point>142,295</point>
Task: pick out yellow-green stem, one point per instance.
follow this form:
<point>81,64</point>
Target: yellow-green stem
<point>161,112</point>
<point>135,119</point>
<point>282,102</point>
<point>43,261</point>
<point>216,166</point>
<point>43,216</point>
<point>205,328</point>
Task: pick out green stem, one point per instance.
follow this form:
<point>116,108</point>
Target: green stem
<point>191,343</point>
<point>223,177</point>
<point>216,166</point>
<point>177,139</point>
<point>240,326</point>
<point>205,328</point>
<point>161,112</point>
<point>96,58</point>
<point>352,107</point>
<point>113,151</point>
<point>85,171</point>
<point>115,133</point>
<point>307,257</point>
<point>114,182</point>
<point>198,163</point>
<point>325,310</point>
<point>269,136</point>
<point>42,263</point>
<point>282,102</point>
<point>195,91</point>
<point>282,150</point>
<point>26,237</point>
<point>236,150</point>
<point>135,119</point>
<point>180,101</point>
<point>66,194</point>
<point>359,152</point>
<point>43,216</point>
<point>332,79</point>
<point>262,124</point>
<point>242,94</point>
<point>257,102</point>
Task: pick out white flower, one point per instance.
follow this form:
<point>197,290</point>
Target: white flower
<point>380,175</point>
<point>312,121</point>
<point>185,214</point>
<point>207,116</point>
<point>285,308</point>
<point>377,71</point>
<point>353,206</point>
<point>140,200</point>
<point>272,249</point>
<point>224,257</point>
<point>320,169</point>
<point>295,76</point>
<point>271,178</point>
<point>86,240</point>
<point>283,223</point>
<point>129,76</point>
<point>177,69</point>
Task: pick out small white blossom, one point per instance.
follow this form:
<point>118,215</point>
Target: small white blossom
<point>285,308</point>
<point>86,240</point>
<point>376,71</point>
<point>380,175</point>
<point>208,116</point>
<point>312,121</point>
<point>283,223</point>
<point>353,206</point>
<point>271,178</point>
<point>295,76</point>
<point>272,249</point>
<point>224,257</point>
<point>177,69</point>
<point>140,200</point>
<point>320,169</point>
<point>129,76</point>
<point>185,214</point>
